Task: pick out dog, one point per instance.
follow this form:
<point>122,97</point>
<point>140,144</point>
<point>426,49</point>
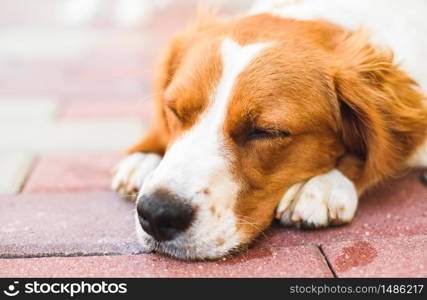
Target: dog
<point>290,111</point>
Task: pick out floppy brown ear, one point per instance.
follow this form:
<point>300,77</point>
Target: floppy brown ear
<point>383,119</point>
<point>157,137</point>
<point>169,62</point>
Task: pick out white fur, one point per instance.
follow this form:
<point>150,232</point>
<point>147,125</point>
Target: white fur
<point>399,25</point>
<point>419,159</point>
<point>198,161</point>
<point>131,172</point>
<point>324,199</point>
<point>193,162</point>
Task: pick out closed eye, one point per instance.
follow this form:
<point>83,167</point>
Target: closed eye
<point>174,111</point>
<point>266,133</point>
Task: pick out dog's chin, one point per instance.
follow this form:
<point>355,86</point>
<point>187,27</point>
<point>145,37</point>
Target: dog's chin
<point>186,248</point>
<point>172,249</point>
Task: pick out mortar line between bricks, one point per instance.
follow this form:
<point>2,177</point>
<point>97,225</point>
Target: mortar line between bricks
<point>331,268</point>
<point>76,254</point>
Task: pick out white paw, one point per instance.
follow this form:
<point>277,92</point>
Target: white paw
<point>130,173</point>
<point>330,198</point>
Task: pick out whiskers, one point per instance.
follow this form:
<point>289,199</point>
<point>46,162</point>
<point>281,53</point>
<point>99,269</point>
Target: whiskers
<point>245,221</point>
<point>132,197</point>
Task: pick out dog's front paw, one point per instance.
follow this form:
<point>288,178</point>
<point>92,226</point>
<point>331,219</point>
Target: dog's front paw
<point>130,173</point>
<point>330,198</point>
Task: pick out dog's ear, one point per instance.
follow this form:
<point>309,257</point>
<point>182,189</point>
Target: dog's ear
<point>382,116</point>
<point>169,62</point>
<point>157,137</point>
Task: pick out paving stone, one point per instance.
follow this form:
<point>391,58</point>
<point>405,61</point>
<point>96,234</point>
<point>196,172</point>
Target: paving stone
<point>44,84</point>
<point>140,109</point>
<point>131,89</point>
<point>25,72</point>
<point>289,262</point>
<point>100,223</point>
<point>26,77</point>
<point>303,261</point>
<point>18,13</point>
<point>397,208</point>
<point>106,72</point>
<point>394,257</point>
<point>14,170</point>
<point>103,135</point>
<point>59,80</point>
<point>144,265</point>
<point>39,42</point>
<point>72,172</point>
<point>24,110</point>
<point>66,224</point>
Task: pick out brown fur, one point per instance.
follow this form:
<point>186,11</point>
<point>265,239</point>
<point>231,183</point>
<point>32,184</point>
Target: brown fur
<point>345,103</point>
<point>383,119</point>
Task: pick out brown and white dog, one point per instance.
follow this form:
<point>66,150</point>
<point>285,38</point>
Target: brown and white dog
<point>286,112</point>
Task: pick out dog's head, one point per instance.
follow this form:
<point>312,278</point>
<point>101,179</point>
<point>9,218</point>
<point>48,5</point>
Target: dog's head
<point>247,108</point>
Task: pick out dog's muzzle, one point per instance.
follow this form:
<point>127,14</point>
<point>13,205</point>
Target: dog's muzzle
<point>163,215</point>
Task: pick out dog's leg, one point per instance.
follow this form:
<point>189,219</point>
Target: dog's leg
<point>143,158</point>
<point>330,198</point>
<point>130,173</point>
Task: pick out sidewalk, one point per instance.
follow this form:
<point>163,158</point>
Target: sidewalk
<point>74,91</point>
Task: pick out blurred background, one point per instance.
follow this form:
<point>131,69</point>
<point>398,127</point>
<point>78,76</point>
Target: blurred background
<point>75,90</point>
<point>75,77</point>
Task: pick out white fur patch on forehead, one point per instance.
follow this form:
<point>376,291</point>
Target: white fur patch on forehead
<point>198,161</point>
<point>235,58</point>
<point>199,152</point>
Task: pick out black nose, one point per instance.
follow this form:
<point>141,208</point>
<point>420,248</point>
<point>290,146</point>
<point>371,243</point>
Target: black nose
<point>163,215</point>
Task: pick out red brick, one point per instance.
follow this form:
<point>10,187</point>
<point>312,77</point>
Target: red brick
<point>290,262</point>
<point>397,208</point>
<point>392,211</point>
<point>140,109</point>
<point>72,172</point>
<point>303,261</point>
<point>106,72</point>
<point>395,257</point>
<point>119,50</point>
<point>129,75</point>
<point>66,224</point>
<point>145,265</point>
<point>119,88</point>
<point>31,77</point>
